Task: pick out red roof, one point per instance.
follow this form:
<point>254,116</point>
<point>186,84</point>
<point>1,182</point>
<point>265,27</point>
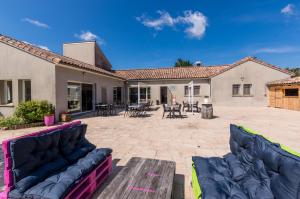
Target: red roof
<point>53,57</point>
<point>295,80</point>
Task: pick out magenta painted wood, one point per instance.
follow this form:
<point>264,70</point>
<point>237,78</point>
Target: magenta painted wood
<point>49,120</point>
<point>87,186</point>
<point>8,177</point>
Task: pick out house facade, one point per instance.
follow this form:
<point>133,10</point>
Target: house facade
<point>83,76</point>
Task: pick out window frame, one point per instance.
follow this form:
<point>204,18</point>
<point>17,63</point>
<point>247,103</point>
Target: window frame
<point>250,90</point>
<point>239,90</point>
<point>291,95</point>
<point>5,101</point>
<point>186,90</point>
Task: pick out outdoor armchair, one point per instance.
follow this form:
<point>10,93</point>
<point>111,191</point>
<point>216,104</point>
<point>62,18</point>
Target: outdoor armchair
<point>166,109</point>
<point>255,168</point>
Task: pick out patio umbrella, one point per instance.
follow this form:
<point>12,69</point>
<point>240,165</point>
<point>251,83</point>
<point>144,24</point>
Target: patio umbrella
<point>191,95</point>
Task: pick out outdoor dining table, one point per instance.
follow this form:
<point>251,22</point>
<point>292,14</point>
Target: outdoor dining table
<point>136,109</point>
<point>107,109</point>
<point>172,108</point>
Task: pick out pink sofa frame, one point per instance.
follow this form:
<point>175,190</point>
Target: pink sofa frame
<point>82,190</point>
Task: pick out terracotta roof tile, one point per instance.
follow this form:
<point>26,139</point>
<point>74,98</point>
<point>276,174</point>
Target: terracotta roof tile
<point>172,72</point>
<point>256,60</point>
<point>53,57</point>
<point>295,80</point>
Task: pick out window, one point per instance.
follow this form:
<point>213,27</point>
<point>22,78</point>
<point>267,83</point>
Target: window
<point>24,90</point>
<point>291,92</point>
<point>186,90</point>
<point>247,89</point>
<point>133,95</point>
<point>6,93</point>
<point>117,95</point>
<point>145,94</point>
<point>149,93</point>
<point>236,89</point>
<point>74,97</point>
<point>196,90</point>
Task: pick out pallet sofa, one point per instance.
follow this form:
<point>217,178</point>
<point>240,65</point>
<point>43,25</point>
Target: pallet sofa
<point>54,164</point>
<point>255,168</point>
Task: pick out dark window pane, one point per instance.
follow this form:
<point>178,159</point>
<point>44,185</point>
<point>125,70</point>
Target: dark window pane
<point>186,90</point>
<point>196,90</point>
<point>235,89</point>
<point>291,92</point>
<point>247,89</point>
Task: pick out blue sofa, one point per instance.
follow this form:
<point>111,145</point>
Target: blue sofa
<point>50,165</point>
<point>256,168</point>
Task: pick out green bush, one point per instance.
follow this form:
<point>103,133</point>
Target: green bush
<point>10,121</point>
<point>34,111</point>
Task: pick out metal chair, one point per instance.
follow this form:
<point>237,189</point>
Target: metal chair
<point>166,110</point>
<point>177,109</point>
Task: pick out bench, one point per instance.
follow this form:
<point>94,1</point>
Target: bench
<point>255,168</point>
<point>55,163</point>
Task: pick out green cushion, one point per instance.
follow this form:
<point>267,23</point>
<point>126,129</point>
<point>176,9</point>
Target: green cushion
<point>285,148</point>
<point>195,183</point>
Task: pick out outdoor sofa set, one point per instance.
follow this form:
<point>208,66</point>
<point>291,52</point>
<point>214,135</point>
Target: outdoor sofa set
<point>256,168</point>
<point>53,164</point>
<point>61,163</point>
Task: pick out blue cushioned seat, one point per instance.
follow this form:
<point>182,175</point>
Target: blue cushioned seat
<point>58,185</point>
<point>255,168</point>
<point>47,166</point>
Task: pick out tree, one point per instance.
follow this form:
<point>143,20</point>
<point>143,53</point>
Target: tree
<point>182,63</point>
<point>296,71</point>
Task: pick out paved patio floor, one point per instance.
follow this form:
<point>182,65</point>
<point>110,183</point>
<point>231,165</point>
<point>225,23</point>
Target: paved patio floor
<point>180,139</point>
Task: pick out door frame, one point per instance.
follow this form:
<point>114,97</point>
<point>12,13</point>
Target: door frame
<point>161,94</point>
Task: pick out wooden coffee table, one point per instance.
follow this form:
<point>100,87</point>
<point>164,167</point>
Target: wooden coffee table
<point>142,179</point>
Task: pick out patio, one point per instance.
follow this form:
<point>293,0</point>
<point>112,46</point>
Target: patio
<point>179,139</point>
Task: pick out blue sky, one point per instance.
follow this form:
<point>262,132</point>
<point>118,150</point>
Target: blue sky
<point>139,34</point>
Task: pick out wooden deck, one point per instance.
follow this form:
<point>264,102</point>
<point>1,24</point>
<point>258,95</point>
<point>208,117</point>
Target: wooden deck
<point>142,178</point>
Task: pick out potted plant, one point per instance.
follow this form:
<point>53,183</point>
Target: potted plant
<point>65,117</point>
<point>48,109</point>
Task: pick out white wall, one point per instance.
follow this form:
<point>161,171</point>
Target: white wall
<point>65,75</point>
<point>247,73</point>
<point>16,65</point>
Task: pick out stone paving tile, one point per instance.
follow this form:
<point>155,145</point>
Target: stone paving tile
<point>180,139</point>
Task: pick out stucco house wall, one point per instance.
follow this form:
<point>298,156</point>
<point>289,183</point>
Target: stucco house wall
<point>64,75</point>
<point>18,65</point>
<point>247,73</point>
<point>177,88</point>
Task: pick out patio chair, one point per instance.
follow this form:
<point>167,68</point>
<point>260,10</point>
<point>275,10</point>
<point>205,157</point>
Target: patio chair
<point>127,111</point>
<point>196,106</point>
<point>177,109</point>
<point>185,105</point>
<point>167,109</point>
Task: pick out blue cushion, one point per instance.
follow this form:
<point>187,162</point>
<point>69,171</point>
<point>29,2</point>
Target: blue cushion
<point>73,143</point>
<point>255,168</point>
<point>58,185</point>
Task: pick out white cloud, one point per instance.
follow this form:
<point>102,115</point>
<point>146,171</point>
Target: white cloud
<point>195,22</point>
<point>288,10</point>
<point>43,47</point>
<point>165,19</point>
<point>40,46</point>
<point>36,23</point>
<point>278,50</point>
<point>89,36</point>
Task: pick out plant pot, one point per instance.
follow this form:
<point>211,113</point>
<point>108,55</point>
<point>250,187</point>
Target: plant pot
<point>49,120</point>
<point>65,117</point>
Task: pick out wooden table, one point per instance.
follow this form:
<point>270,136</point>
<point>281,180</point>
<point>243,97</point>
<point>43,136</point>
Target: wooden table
<point>142,179</point>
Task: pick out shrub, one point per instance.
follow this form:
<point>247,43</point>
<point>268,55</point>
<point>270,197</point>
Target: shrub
<point>34,111</point>
<point>10,121</point>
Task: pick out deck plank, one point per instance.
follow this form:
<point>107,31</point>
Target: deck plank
<point>142,179</point>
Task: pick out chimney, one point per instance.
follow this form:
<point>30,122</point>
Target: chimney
<point>87,52</point>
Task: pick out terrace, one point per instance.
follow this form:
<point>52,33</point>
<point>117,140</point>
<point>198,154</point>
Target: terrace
<point>180,139</point>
